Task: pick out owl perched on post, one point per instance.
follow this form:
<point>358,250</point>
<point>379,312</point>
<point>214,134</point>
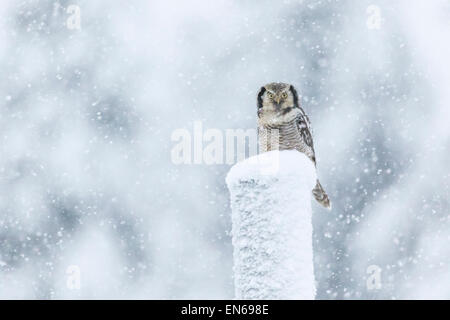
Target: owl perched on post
<point>279,108</point>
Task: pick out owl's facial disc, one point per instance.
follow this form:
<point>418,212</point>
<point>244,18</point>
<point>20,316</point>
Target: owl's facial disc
<point>277,102</point>
<point>277,98</point>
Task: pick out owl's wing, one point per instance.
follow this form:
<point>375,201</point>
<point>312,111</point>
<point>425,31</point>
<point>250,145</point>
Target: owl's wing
<point>304,127</point>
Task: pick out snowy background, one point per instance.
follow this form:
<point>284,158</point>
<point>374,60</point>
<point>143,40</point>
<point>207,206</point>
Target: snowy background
<point>86,115</point>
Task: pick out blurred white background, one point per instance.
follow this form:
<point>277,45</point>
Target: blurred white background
<point>87,112</point>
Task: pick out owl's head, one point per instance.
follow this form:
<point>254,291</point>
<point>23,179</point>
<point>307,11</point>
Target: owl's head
<point>277,100</point>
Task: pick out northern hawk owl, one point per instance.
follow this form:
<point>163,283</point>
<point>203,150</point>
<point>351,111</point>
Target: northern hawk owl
<point>279,109</point>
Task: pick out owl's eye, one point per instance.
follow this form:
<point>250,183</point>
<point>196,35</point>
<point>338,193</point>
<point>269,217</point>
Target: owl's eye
<point>270,95</point>
<point>284,95</point>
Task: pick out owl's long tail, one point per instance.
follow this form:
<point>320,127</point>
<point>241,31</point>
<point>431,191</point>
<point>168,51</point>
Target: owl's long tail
<point>321,196</point>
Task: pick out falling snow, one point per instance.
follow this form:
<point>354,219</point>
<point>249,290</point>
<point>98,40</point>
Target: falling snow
<point>91,205</point>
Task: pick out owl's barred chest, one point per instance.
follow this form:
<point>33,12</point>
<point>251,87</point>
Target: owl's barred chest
<point>286,136</point>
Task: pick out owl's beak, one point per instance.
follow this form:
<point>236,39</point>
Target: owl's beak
<point>277,99</point>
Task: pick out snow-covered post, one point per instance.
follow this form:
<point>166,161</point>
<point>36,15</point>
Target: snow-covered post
<point>271,226</point>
